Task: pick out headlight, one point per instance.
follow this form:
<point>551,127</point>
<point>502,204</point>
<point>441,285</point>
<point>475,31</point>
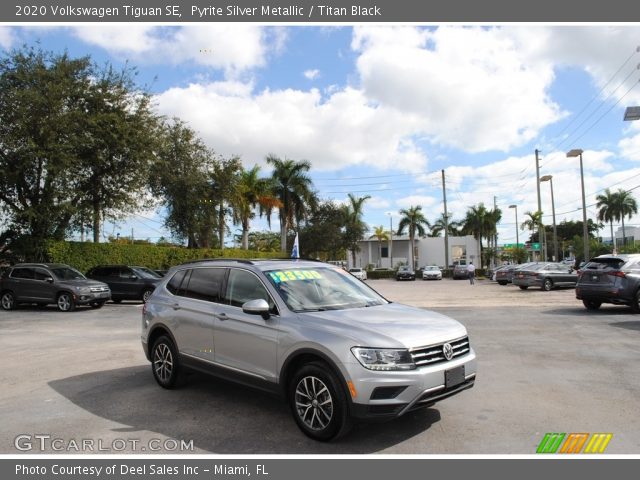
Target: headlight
<point>384,358</point>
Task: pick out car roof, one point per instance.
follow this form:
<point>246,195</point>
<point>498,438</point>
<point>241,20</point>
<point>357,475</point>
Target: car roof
<point>46,265</point>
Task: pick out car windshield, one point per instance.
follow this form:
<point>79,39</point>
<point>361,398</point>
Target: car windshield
<point>144,272</point>
<point>67,273</point>
<point>355,269</point>
<point>319,289</point>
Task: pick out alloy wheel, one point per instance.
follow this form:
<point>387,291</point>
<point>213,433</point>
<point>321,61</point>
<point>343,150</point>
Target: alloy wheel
<point>163,362</point>
<point>314,404</point>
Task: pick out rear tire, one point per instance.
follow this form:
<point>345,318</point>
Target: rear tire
<point>8,301</point>
<point>591,304</point>
<point>523,287</point>
<point>547,286</point>
<point>502,283</point>
<point>319,403</point>
<point>146,294</point>
<point>65,302</point>
<point>165,364</point>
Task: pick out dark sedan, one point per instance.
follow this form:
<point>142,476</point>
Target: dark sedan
<point>126,282</point>
<point>610,279</point>
<point>547,276</point>
<point>405,273</point>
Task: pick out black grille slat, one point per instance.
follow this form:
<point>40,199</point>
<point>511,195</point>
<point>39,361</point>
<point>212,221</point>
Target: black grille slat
<point>433,354</point>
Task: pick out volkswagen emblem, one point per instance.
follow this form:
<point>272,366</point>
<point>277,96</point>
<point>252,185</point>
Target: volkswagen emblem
<point>447,350</point>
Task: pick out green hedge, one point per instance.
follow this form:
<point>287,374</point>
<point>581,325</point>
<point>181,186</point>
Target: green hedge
<point>375,275</point>
<point>84,256</point>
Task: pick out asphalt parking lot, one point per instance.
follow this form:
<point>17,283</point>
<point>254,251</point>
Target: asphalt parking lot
<point>545,364</point>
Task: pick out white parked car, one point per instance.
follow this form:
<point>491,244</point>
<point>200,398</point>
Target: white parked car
<point>431,272</point>
<point>360,273</point>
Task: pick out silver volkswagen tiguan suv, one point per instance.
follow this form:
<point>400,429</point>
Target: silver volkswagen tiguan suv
<point>332,346</point>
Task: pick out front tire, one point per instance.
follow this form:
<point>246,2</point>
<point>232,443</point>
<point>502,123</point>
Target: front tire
<point>65,302</point>
<point>635,304</point>
<point>8,301</point>
<point>523,287</point>
<point>97,305</point>
<point>591,304</point>
<point>319,403</point>
<point>164,363</point>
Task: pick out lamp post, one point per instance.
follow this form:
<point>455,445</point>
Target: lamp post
<point>577,152</point>
<point>390,238</point>
<point>517,235</point>
<point>549,178</point>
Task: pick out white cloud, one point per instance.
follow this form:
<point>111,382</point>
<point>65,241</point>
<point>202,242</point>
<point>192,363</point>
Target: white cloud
<point>472,88</point>
<point>377,203</point>
<point>630,147</point>
<point>232,48</point>
<point>6,37</point>
<point>425,201</point>
<point>312,74</point>
<point>333,133</point>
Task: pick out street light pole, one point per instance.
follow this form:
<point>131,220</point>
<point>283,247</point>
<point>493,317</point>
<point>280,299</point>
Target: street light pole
<point>549,178</point>
<point>577,152</point>
<point>390,238</point>
<point>517,235</point>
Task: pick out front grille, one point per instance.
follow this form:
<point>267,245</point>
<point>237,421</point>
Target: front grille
<point>433,353</point>
<point>99,289</point>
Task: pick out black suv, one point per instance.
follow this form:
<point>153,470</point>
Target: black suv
<point>610,279</point>
<point>126,282</point>
<point>45,283</point>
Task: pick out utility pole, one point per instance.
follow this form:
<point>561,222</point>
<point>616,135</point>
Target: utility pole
<point>495,237</point>
<point>446,223</point>
<point>540,228</point>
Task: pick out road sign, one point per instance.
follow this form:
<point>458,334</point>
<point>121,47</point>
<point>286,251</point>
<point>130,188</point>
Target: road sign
<point>509,246</point>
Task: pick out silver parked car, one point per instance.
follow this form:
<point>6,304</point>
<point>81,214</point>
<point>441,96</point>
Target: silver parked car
<point>333,347</point>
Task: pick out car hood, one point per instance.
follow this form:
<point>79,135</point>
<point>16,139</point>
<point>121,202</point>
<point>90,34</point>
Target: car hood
<point>79,283</point>
<point>391,325</point>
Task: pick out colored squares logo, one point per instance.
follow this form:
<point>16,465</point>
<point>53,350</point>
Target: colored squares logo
<point>574,443</point>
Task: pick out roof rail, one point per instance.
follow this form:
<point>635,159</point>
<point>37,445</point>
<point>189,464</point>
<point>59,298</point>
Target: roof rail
<point>239,260</point>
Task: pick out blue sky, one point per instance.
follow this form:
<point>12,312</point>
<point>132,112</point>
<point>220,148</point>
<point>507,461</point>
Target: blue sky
<point>380,110</point>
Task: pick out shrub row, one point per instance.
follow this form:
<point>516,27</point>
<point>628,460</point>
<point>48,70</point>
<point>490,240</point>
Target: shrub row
<point>84,256</point>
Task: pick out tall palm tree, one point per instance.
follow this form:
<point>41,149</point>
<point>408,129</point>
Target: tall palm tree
<point>355,228</point>
<point>294,189</point>
<point>607,211</point>
<point>253,192</point>
<point>493,218</point>
<point>382,236</point>
<point>415,222</point>
<point>534,222</point>
<point>224,190</point>
<point>476,222</point>
<point>626,206</point>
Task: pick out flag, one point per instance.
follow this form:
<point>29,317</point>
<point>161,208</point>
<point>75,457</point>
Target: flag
<point>295,251</point>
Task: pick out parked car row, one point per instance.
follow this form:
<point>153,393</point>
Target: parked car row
<point>50,283</point>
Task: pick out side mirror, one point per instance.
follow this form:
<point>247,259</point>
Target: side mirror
<point>49,279</point>
<point>256,307</point>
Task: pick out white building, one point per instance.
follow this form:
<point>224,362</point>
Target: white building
<point>429,251</point>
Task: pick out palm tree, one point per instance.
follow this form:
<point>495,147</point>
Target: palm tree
<point>438,226</point>
<point>224,190</point>
<point>626,206</point>
<point>414,220</point>
<point>607,211</point>
<point>476,222</point>
<point>355,228</point>
<point>534,222</point>
<point>381,235</point>
<point>294,189</point>
<point>253,192</point>
<point>493,218</point>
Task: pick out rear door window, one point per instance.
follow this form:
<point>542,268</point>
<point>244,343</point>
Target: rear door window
<point>205,284</point>
<point>23,272</point>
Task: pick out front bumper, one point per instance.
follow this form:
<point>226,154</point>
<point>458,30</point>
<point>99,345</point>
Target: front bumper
<point>417,388</point>
<point>92,297</point>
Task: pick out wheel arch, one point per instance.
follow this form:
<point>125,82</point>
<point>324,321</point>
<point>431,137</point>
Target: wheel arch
<point>157,331</point>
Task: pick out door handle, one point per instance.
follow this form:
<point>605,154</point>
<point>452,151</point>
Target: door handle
<point>176,306</point>
<point>222,316</point>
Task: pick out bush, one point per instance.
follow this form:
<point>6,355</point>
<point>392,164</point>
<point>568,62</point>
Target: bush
<point>84,256</point>
<point>377,274</point>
